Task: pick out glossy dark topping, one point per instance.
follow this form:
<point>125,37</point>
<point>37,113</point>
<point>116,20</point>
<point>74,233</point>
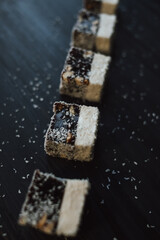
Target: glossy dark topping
<point>44,199</point>
<point>79,64</point>
<point>64,123</point>
<point>88,22</point>
<point>93,5</point>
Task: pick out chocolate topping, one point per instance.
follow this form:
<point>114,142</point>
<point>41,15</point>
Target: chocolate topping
<point>64,123</point>
<point>44,200</point>
<point>88,22</point>
<point>79,62</point>
<point>93,5</point>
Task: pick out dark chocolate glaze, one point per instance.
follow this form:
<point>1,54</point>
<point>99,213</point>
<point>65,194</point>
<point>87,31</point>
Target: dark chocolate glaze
<point>64,123</point>
<point>45,190</point>
<point>80,64</point>
<point>88,22</point>
<point>92,5</point>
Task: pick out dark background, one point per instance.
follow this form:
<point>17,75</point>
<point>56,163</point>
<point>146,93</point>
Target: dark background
<point>124,202</point>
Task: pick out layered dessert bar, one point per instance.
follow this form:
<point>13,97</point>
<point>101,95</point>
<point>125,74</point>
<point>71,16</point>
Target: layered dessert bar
<point>94,31</point>
<point>84,74</point>
<point>72,131</point>
<point>54,205</point>
<point>101,6</point>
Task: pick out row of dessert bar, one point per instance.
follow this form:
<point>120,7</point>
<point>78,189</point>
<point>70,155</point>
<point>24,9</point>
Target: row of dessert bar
<point>55,205</point>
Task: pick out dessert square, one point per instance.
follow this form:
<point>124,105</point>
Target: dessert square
<point>54,205</point>
<point>94,31</point>
<point>101,6</point>
<point>72,131</point>
<point>84,74</point>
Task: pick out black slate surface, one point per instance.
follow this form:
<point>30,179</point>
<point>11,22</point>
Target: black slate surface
<point>124,201</point>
